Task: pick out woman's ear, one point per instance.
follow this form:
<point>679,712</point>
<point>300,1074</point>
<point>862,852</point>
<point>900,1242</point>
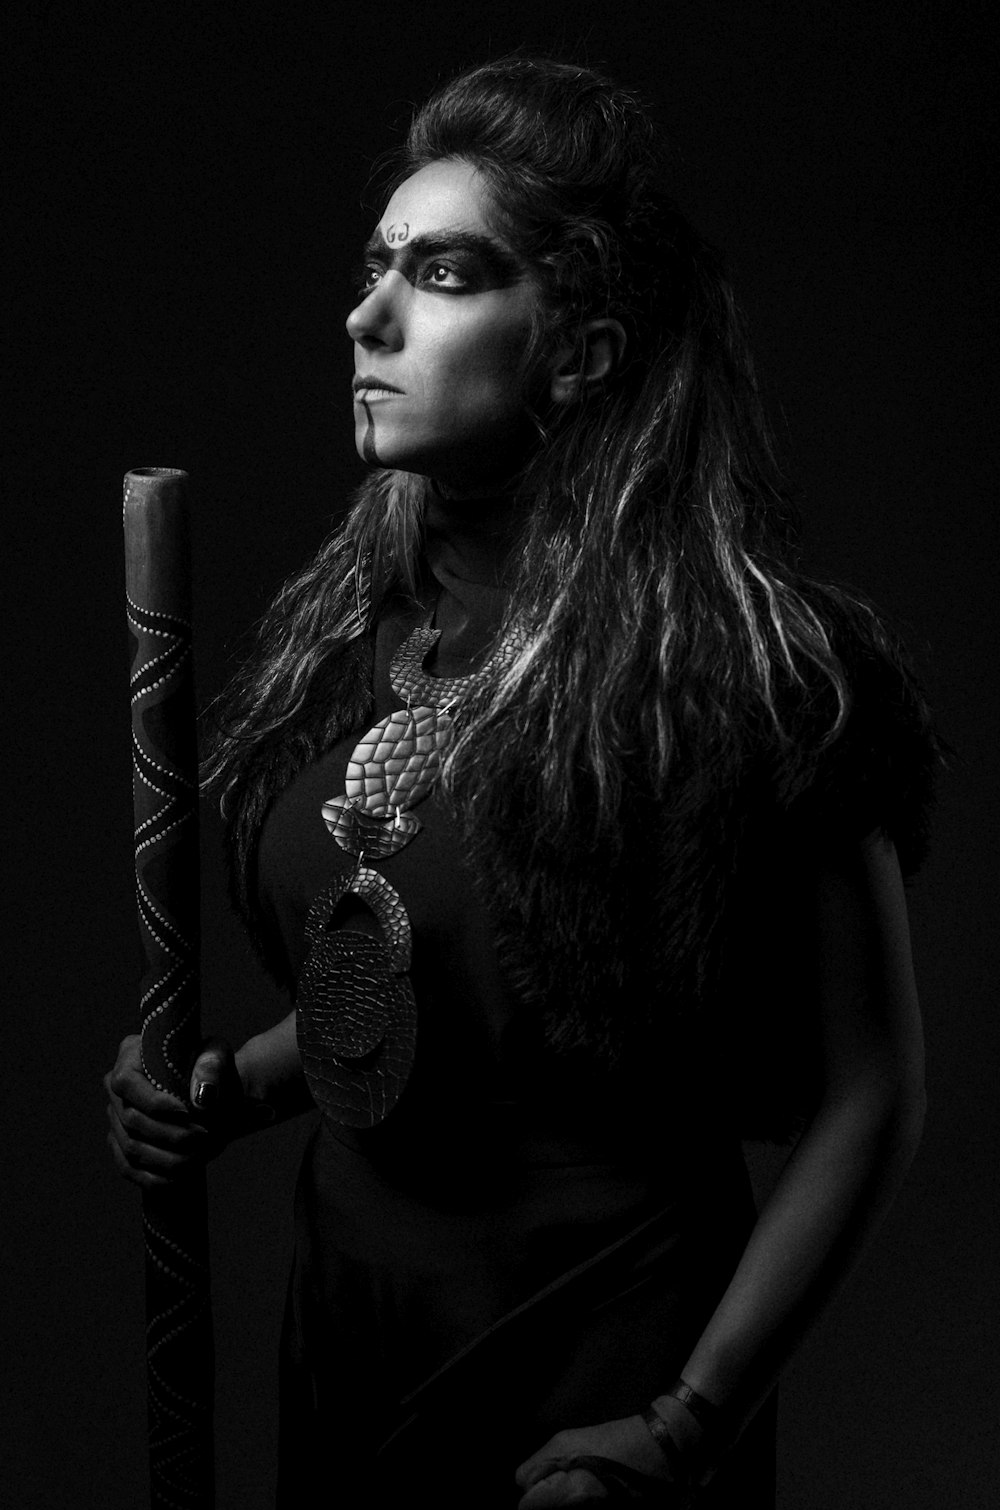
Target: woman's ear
<point>597,353</point>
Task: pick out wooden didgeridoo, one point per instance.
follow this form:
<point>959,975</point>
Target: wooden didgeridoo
<point>179,1345</point>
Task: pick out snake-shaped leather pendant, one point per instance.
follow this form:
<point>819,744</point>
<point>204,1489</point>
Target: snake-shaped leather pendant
<point>356,1014</point>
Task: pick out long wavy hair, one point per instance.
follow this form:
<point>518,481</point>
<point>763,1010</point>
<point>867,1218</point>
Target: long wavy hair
<point>671,659</point>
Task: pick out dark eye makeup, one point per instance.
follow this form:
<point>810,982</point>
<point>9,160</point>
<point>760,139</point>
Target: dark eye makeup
<point>446,277</point>
<point>448,262</point>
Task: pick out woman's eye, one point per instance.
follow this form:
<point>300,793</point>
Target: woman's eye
<point>432,274</point>
<point>441,275</point>
<point>367,279</point>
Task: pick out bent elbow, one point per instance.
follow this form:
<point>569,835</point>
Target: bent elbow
<point>900,1119</point>
<point>910,1115</point>
<point>885,1109</point>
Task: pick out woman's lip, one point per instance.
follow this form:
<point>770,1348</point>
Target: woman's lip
<point>372,386</point>
<point>375,392</point>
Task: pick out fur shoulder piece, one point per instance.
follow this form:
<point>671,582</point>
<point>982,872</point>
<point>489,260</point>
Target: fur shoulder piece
<point>881,771</point>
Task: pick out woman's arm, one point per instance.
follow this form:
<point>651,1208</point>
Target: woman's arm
<point>155,1138</point>
<point>852,1157</point>
<point>837,1184</point>
<point>270,1070</point>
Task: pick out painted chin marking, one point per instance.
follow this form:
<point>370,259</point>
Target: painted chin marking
<point>368,445</point>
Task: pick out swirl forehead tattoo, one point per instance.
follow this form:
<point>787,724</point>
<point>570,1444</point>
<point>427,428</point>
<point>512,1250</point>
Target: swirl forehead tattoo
<point>397,232</point>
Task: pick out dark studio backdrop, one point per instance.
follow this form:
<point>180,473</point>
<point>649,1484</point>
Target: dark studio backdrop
<point>186,203</point>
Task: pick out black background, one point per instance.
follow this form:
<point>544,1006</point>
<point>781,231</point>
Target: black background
<point>185,206</point>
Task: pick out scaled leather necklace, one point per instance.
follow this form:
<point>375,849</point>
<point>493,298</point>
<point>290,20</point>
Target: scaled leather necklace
<point>356,1013</point>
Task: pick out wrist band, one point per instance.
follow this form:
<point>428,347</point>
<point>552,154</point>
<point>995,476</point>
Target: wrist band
<point>708,1416</point>
<point>660,1432</point>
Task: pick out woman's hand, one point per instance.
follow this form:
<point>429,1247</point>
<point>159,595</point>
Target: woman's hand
<point>154,1138</point>
<point>549,1478</point>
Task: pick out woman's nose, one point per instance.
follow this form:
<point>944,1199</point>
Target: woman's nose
<point>377,320</point>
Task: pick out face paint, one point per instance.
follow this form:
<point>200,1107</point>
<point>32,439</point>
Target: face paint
<point>441,334</point>
<point>370,454</point>
<point>472,262</point>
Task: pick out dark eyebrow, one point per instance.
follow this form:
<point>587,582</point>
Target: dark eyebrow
<point>500,264</point>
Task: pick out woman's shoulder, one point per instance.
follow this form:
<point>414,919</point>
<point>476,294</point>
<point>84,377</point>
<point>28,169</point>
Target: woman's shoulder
<point>874,767</point>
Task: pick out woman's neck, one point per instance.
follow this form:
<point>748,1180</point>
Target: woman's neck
<point>471,538</point>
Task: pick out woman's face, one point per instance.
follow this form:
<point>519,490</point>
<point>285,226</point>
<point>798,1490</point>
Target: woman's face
<point>440,336</point>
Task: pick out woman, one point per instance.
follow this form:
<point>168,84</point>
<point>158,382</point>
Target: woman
<point>571,814</point>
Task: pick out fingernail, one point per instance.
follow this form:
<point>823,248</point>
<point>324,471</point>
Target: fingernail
<point>205,1093</point>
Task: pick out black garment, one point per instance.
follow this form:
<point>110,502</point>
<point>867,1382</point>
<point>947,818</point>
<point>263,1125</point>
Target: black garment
<point>487,1266</point>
